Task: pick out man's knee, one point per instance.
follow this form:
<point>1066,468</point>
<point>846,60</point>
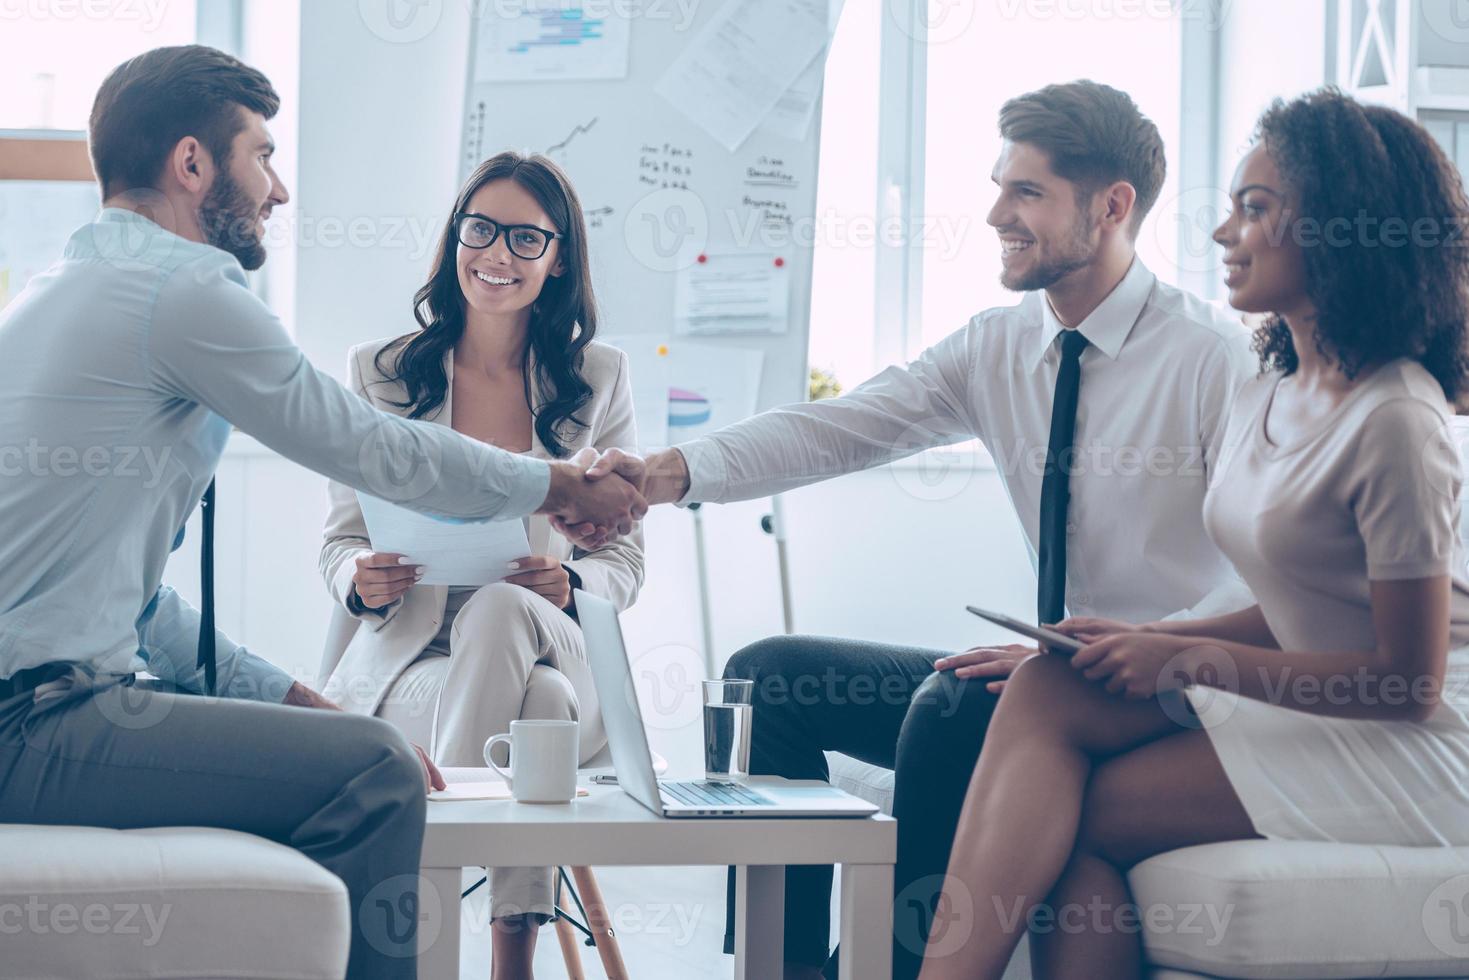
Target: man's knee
<point>945,703</point>
<point>396,771</point>
<point>788,671</point>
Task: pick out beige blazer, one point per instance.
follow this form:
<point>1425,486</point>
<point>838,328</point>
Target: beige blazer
<point>376,655</point>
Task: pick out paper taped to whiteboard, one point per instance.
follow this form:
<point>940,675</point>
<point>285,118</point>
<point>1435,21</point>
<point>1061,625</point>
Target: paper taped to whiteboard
<point>733,293</point>
<point>550,40</point>
<point>734,72</point>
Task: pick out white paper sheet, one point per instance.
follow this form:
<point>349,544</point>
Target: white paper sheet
<point>710,387</point>
<point>791,117</point>
<point>546,40</point>
<point>649,366</point>
<point>452,553</point>
<point>734,72</point>
<point>733,292</point>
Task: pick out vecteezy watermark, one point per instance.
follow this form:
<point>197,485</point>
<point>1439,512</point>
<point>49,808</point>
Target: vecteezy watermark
<point>934,916</point>
<point>32,458</point>
<point>410,234</point>
<point>935,22</point>
<point>680,12</point>
<point>403,914</point>
<point>1449,19</point>
<point>1098,917</point>
<point>1211,12</point>
<point>38,916</point>
<point>1446,917</point>
<point>401,21</point>
<point>667,230</point>
<point>146,13</point>
<point>665,682</point>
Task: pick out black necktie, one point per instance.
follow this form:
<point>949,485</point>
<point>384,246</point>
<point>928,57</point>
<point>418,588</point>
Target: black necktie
<point>1056,485</point>
<point>206,588</point>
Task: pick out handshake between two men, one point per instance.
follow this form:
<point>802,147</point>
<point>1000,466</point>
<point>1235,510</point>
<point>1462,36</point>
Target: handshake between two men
<point>596,497</point>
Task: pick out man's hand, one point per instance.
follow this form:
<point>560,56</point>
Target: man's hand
<point>662,477</point>
<point>591,512</point>
<point>431,774</point>
<point>995,662</point>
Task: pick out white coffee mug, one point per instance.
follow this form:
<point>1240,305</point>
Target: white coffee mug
<point>542,760</point>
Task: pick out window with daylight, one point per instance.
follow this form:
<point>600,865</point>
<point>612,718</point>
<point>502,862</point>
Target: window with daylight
<point>908,140</point>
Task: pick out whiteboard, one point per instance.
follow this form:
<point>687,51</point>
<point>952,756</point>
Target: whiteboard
<point>658,192</point>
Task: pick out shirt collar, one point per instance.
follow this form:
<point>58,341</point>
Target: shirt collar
<point>1107,327</point>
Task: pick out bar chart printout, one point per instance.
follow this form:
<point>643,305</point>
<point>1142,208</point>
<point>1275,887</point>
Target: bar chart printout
<point>549,40</point>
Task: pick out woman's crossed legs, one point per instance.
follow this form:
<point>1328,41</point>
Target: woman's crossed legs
<point>1074,786</point>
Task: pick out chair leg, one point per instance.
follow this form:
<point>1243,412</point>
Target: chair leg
<point>570,949</point>
<point>600,924</point>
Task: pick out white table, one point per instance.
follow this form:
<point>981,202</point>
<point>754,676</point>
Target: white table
<point>609,827</point>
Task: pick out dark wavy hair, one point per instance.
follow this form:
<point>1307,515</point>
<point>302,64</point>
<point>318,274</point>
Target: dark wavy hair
<point>563,319</point>
<point>1381,174</point>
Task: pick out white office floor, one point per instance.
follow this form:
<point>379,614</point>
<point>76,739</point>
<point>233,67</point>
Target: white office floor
<point>669,922</point>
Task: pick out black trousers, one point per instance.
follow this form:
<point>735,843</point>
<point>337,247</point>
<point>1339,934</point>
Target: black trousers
<point>887,706</point>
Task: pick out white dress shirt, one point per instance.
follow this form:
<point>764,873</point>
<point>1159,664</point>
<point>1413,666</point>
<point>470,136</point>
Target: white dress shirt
<point>1157,382</point>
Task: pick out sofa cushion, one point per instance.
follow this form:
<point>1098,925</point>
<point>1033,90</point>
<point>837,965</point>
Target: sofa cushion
<point>170,902</point>
<point>1270,908</point>
<point>1282,909</point>
<point>863,780</point>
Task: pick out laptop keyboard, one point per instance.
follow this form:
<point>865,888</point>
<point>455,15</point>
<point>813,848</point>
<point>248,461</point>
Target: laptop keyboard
<point>703,793</point>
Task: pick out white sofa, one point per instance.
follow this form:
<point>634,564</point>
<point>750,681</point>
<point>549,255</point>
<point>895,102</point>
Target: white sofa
<point>1283,909</point>
<point>175,902</point>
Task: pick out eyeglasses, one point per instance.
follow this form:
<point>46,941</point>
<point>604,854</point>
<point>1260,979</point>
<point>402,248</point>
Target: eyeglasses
<point>524,241</point>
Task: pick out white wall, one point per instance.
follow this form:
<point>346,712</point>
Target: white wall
<point>380,107</point>
<point>1267,48</point>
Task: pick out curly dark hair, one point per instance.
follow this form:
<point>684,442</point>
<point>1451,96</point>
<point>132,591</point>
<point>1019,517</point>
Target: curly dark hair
<point>1398,284</point>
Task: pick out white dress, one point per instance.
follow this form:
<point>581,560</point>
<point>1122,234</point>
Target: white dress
<point>1369,495</point>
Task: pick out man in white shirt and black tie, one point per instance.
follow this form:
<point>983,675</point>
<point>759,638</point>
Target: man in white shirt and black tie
<point>1102,397</point>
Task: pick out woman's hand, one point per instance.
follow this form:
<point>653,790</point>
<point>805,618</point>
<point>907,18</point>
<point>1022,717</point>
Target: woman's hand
<point>1089,628</point>
<point>545,576</point>
<point>1139,665</point>
<point>382,579</point>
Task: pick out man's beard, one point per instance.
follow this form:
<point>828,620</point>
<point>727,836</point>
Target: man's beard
<point>1076,253</point>
<point>228,217</point>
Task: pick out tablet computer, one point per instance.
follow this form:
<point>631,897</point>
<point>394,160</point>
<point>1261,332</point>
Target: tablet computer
<point>1059,642</point>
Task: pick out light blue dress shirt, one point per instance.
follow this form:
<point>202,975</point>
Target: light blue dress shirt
<point>125,366</point>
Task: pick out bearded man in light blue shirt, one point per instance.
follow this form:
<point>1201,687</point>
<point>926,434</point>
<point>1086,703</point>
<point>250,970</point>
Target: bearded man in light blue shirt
<point>128,363</point>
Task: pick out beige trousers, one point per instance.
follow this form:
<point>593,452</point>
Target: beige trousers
<point>512,654</point>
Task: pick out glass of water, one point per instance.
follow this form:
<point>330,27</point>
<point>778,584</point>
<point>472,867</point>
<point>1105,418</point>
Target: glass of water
<point>727,712</point>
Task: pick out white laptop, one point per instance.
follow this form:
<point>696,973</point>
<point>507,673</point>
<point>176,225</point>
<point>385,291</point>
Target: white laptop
<point>759,796</point>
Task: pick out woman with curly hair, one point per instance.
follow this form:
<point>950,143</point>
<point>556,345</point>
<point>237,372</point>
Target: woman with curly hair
<point>1334,710</point>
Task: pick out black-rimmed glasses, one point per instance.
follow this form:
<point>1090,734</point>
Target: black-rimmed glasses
<point>524,241</point>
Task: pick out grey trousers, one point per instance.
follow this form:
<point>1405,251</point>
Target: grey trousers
<point>345,790</point>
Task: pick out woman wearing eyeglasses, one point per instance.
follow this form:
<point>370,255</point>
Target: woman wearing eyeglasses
<point>504,354</point>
